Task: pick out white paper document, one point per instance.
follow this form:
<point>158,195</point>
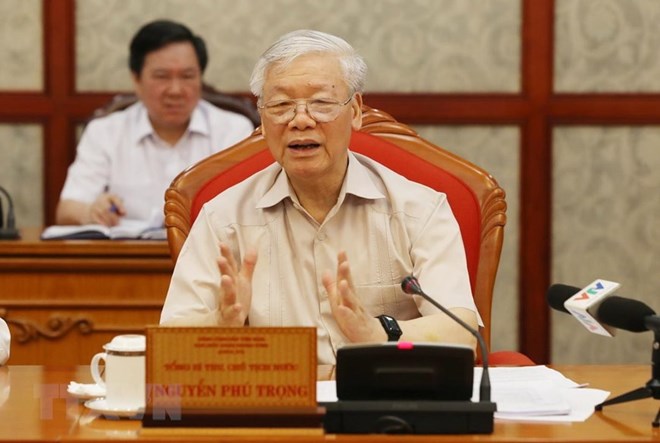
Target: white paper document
<point>528,398</point>
<point>538,393</point>
<point>526,393</point>
<point>581,401</point>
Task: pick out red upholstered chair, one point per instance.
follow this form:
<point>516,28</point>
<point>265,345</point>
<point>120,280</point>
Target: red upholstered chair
<point>475,197</point>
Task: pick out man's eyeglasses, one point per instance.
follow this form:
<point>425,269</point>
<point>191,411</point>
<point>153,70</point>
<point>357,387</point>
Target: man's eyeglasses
<point>322,110</point>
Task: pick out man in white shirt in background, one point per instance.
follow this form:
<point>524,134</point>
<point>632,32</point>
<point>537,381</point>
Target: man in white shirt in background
<point>5,341</point>
<point>126,160</point>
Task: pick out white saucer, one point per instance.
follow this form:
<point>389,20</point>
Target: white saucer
<point>99,405</point>
<point>85,391</point>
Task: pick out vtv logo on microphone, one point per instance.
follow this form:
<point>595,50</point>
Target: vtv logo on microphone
<point>584,305</point>
<point>593,291</point>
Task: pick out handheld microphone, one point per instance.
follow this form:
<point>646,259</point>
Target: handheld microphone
<point>583,303</point>
<point>410,285</point>
<point>618,312</point>
<point>622,313</point>
<point>8,231</point>
<point>611,311</point>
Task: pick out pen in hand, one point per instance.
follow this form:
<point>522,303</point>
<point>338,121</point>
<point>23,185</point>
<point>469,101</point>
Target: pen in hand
<point>113,207</point>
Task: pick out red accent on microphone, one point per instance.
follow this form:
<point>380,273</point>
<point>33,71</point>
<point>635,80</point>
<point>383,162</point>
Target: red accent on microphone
<point>404,345</point>
<point>410,285</point>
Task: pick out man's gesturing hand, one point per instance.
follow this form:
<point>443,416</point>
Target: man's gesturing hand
<point>353,320</point>
<point>236,284</point>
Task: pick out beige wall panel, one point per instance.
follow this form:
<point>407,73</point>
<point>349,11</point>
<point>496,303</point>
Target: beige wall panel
<point>607,46</point>
<point>606,213</point>
<point>21,38</point>
<point>496,150</point>
<point>409,45</point>
<point>21,171</point>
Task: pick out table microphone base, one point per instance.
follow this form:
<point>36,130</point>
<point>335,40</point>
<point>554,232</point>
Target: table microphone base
<point>408,417</point>
<point>9,234</point>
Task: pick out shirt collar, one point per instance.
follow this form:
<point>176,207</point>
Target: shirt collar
<point>144,129</point>
<point>198,123</point>
<point>357,182</point>
<point>142,124</point>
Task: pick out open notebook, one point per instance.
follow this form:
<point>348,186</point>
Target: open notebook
<point>126,229</point>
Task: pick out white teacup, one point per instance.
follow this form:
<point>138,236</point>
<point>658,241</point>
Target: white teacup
<point>124,372</point>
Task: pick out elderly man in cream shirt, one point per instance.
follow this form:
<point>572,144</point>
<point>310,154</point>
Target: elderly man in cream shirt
<point>274,250</point>
<point>5,340</point>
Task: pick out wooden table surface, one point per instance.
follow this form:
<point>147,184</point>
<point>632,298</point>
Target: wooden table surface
<point>34,406</point>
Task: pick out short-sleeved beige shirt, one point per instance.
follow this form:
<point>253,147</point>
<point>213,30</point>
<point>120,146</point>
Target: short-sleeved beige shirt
<point>389,227</point>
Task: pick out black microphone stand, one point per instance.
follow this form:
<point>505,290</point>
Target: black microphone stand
<point>410,285</point>
<point>652,387</point>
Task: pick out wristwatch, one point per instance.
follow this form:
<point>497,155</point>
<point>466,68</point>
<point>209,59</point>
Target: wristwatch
<point>391,327</point>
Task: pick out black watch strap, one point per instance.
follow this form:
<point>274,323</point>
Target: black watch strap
<point>391,327</point>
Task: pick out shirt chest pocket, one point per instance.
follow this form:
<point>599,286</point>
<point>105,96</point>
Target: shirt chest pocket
<point>387,299</point>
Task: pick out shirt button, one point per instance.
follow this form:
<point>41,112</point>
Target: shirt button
<point>321,236</point>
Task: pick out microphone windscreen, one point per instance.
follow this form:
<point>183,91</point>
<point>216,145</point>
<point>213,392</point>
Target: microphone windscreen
<point>557,294</point>
<point>624,313</point>
<point>410,285</point>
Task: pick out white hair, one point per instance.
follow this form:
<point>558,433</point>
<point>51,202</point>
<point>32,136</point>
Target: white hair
<point>305,41</point>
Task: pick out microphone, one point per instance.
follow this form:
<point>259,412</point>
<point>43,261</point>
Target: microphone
<point>604,309</point>
<point>410,285</point>
<point>583,303</point>
<point>618,312</point>
<point>629,315</point>
<point>8,232</point>
<point>611,311</point>
<point>393,397</point>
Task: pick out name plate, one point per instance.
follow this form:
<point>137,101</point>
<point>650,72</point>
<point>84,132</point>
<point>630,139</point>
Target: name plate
<point>247,368</point>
